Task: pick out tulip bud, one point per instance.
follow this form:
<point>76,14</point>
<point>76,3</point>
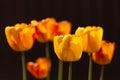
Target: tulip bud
<point>40,68</point>
<point>20,37</point>
<point>48,28</point>
<point>92,37</point>
<point>68,47</point>
<point>105,54</point>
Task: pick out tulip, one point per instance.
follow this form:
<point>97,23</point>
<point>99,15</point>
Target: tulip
<point>92,37</point>
<point>105,54</point>
<point>40,68</point>
<point>45,29</point>
<point>68,47</point>
<point>20,37</point>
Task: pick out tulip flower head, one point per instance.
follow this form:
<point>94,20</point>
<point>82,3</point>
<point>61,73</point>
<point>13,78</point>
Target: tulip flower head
<point>45,29</point>
<point>92,37</point>
<point>68,47</point>
<point>40,68</point>
<point>20,37</point>
<point>48,28</point>
<point>105,54</point>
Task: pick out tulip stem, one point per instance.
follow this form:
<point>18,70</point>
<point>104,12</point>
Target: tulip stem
<point>70,71</point>
<point>102,72</point>
<point>23,66</point>
<point>60,70</point>
<point>48,57</point>
<point>47,50</point>
<point>90,68</point>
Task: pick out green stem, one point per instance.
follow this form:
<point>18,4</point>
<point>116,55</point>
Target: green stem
<point>23,66</point>
<point>47,50</point>
<point>70,71</point>
<point>48,57</point>
<point>90,68</point>
<point>60,70</point>
<point>102,72</point>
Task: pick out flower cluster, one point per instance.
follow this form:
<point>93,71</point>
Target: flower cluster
<point>21,37</point>
<point>85,39</point>
<point>68,47</point>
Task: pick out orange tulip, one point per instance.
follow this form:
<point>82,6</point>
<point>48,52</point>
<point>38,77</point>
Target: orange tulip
<point>68,47</point>
<point>64,28</point>
<point>105,54</point>
<point>92,37</point>
<point>40,68</point>
<point>47,28</point>
<point>20,37</point>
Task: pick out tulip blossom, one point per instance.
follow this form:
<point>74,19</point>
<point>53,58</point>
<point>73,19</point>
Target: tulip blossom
<point>44,29</point>
<point>105,54</point>
<point>92,37</point>
<point>47,28</point>
<point>64,28</point>
<point>20,37</point>
<point>68,47</point>
<point>40,68</point>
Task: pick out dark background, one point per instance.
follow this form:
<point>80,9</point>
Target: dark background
<point>104,13</point>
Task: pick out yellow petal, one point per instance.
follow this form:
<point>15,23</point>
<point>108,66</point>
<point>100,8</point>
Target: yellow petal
<point>12,37</point>
<point>83,33</point>
<point>57,45</point>
<point>26,37</point>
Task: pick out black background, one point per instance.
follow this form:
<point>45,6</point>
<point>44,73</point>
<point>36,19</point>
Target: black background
<point>104,13</point>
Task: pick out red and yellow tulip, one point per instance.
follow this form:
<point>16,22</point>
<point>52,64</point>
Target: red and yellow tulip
<point>40,68</point>
<point>48,28</point>
<point>105,54</point>
<point>20,37</point>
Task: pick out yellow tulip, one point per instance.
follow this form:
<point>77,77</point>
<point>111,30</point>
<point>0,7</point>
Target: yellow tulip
<point>20,37</point>
<point>105,54</point>
<point>92,37</point>
<point>40,68</point>
<point>68,47</point>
